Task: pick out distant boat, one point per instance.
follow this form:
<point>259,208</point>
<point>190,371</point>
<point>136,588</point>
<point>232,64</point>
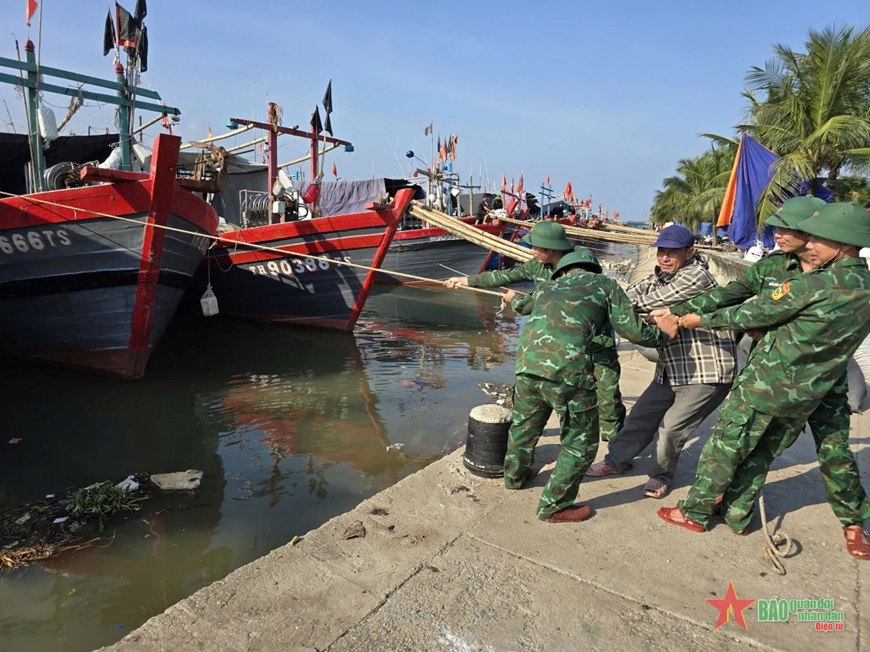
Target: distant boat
<point>88,278</point>
<point>432,253</point>
<point>276,263</point>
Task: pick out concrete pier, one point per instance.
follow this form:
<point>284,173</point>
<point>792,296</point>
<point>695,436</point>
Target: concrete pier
<point>453,562</point>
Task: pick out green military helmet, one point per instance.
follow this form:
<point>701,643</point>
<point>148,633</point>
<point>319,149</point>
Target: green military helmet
<point>591,262</point>
<point>794,211</point>
<point>845,222</point>
<point>579,257</point>
<point>548,235</point>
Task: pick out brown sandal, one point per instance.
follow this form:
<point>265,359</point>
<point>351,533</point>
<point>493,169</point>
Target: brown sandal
<point>856,541</point>
<point>655,489</point>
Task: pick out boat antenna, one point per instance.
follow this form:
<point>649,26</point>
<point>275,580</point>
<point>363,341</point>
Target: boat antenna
<point>11,122</point>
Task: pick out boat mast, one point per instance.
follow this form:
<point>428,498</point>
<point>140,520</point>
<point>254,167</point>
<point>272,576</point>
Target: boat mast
<point>123,113</point>
<point>274,130</point>
<point>30,99</point>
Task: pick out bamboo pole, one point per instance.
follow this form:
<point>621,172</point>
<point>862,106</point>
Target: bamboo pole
<point>643,238</point>
<point>470,232</point>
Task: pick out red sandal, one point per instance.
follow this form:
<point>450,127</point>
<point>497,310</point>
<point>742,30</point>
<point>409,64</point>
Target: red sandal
<point>856,541</point>
<point>675,516</point>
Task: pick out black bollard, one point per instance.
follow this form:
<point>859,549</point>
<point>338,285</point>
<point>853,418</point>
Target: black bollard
<point>486,444</point>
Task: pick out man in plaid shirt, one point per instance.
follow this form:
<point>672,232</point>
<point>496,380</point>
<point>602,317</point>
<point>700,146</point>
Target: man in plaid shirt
<point>693,374</point>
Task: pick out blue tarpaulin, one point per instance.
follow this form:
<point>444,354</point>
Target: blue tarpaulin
<point>749,180</point>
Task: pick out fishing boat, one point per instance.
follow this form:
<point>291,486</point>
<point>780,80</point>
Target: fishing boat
<point>94,260</point>
<point>315,272</point>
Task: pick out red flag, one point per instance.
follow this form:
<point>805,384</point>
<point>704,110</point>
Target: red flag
<point>512,187</point>
<point>442,151</point>
<point>548,180</point>
<point>503,183</point>
<point>334,170</point>
<point>208,132</point>
<point>520,188</point>
<point>31,9</point>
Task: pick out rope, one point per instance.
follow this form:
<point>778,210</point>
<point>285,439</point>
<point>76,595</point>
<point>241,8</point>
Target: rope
<point>252,245</point>
<point>777,546</point>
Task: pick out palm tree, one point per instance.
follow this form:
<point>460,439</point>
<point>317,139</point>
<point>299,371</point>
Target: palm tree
<point>695,193</point>
<point>813,109</point>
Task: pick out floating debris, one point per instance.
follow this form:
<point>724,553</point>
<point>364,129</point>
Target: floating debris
<point>178,481</point>
<point>46,527</point>
<point>499,394</point>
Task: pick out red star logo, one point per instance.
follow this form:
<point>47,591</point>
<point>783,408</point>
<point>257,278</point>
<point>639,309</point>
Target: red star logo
<point>731,607</point>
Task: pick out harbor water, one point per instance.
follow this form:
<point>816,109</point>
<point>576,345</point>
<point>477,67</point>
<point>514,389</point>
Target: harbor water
<point>290,427</point>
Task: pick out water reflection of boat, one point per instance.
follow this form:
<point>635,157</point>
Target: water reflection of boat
<point>298,394</point>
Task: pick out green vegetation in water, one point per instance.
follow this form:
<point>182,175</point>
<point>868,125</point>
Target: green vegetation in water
<point>102,499</point>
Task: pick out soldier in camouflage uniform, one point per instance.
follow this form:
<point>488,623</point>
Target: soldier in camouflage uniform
<point>813,323</point>
<point>549,244</point>
<point>829,423</point>
<point>554,372</point>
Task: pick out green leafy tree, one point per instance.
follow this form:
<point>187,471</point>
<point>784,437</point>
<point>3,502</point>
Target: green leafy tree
<point>813,110</point>
<point>695,193</point>
<point>853,188</point>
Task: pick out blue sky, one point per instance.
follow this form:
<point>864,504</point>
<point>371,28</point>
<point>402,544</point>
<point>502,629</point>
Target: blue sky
<point>607,95</point>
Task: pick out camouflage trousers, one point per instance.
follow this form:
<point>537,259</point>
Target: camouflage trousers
<point>611,411</point>
<point>829,424</point>
<point>535,399</point>
<point>735,460</point>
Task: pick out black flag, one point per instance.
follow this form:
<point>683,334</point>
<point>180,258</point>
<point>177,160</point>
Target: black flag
<point>327,100</point>
<point>142,49</point>
<point>127,27</point>
<point>140,11</point>
<point>316,125</point>
<point>328,126</point>
<point>108,34</point>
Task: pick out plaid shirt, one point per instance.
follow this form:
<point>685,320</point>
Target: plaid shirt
<point>694,357</point>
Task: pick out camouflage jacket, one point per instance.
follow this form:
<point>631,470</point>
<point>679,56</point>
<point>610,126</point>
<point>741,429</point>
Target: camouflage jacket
<point>765,275</point>
<point>555,341</point>
<point>816,321</point>
<point>531,270</point>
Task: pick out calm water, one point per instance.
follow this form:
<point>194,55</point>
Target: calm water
<point>291,428</point>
